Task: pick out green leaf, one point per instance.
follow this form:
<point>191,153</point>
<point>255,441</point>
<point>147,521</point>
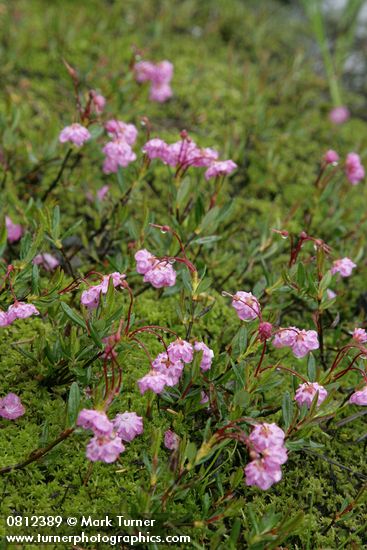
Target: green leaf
<point>73,403</point>
<point>311,368</point>
<point>287,409</point>
<point>72,315</point>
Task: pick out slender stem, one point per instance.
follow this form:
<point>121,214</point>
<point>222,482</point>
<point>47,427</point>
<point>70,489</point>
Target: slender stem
<point>58,177</point>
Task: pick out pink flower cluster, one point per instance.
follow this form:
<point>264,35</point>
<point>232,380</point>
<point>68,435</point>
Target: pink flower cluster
<point>90,297</point>
<point>331,157</point>
<point>159,75</point>
<point>185,153</point>
<point>171,440</point>
<point>14,231</point>
<point>167,367</point>
<point>76,133</point>
<point>266,444</point>
<point>106,445</point>
<point>300,341</point>
<point>306,392</point>
<point>354,169</point>
<point>119,151</point>
<point>360,335</point>
<point>98,102</point>
<point>11,407</point>
<point>159,273</point>
<point>18,310</point>
<point>48,261</point>
<point>344,267</point>
<point>246,305</point>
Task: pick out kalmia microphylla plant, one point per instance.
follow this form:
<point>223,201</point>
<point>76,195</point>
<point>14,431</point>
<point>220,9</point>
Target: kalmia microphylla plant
<point>206,354</point>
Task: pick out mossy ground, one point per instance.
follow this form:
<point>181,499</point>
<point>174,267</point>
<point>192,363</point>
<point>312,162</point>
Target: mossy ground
<point>245,83</point>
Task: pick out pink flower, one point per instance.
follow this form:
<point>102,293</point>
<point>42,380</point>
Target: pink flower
<point>246,305</point>
<point>307,391</point>
<point>204,398</point>
<point>344,266</point>
<point>180,350</point>
<point>128,425</point>
<point>97,421</point>
<point>76,133</point>
<point>21,310</point>
<point>261,474</point>
<point>119,129</point>
<point>98,102</point>
<point>172,370</point>
<point>156,149</point>
<point>4,319</point>
<point>220,168</point>
<point>330,294</point>
<point>144,71</point>
<point>14,230</point>
<point>144,261</point>
<point>11,407</point>
<point>90,297</point>
<point>102,192</point>
<point>161,275</point>
<point>360,335</point>
<point>285,337</point>
<point>331,157</point>
<point>105,449</point>
<point>305,341</point>
<point>171,440</point>
<point>118,153</point>
<point>359,397</point>
<point>160,92</point>
<point>265,331</point>
<point>154,381</point>
<point>207,357</point>
<point>264,436</point>
<point>339,115</point>
<point>160,76</point>
<point>354,169</point>
<point>48,261</point>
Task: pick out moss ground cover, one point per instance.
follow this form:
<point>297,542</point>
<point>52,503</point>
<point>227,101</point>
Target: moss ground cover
<point>246,82</point>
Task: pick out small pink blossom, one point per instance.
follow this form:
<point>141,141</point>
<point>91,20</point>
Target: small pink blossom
<point>339,115</point>
<point>156,149</point>
<point>204,398</point>
<point>305,341</point>
<point>128,425</point>
<point>102,192</point>
<point>261,474</point>
<point>220,168</point>
<point>354,169</point>
<point>144,261</point>
<point>285,337</point>
<point>265,331</point>
<point>122,130</point>
<point>264,436</point>
<point>4,319</point>
<point>48,261</point>
<point>160,92</point>
<point>172,370</point>
<point>306,392</point>
<point>11,407</point>
<point>171,440</point>
<point>159,75</point>
<point>76,133</point>
<point>21,310</point>
<point>118,153</point>
<point>246,305</point>
<point>162,274</point>
<point>14,231</point>
<point>98,102</point>
<point>90,298</point>
<point>359,397</point>
<point>344,266</point>
<point>105,449</point>
<point>154,381</point>
<point>360,335</point>
<point>180,350</point>
<point>143,71</point>
<point>97,421</point>
<point>207,356</point>
<point>331,294</point>
<point>331,157</point>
